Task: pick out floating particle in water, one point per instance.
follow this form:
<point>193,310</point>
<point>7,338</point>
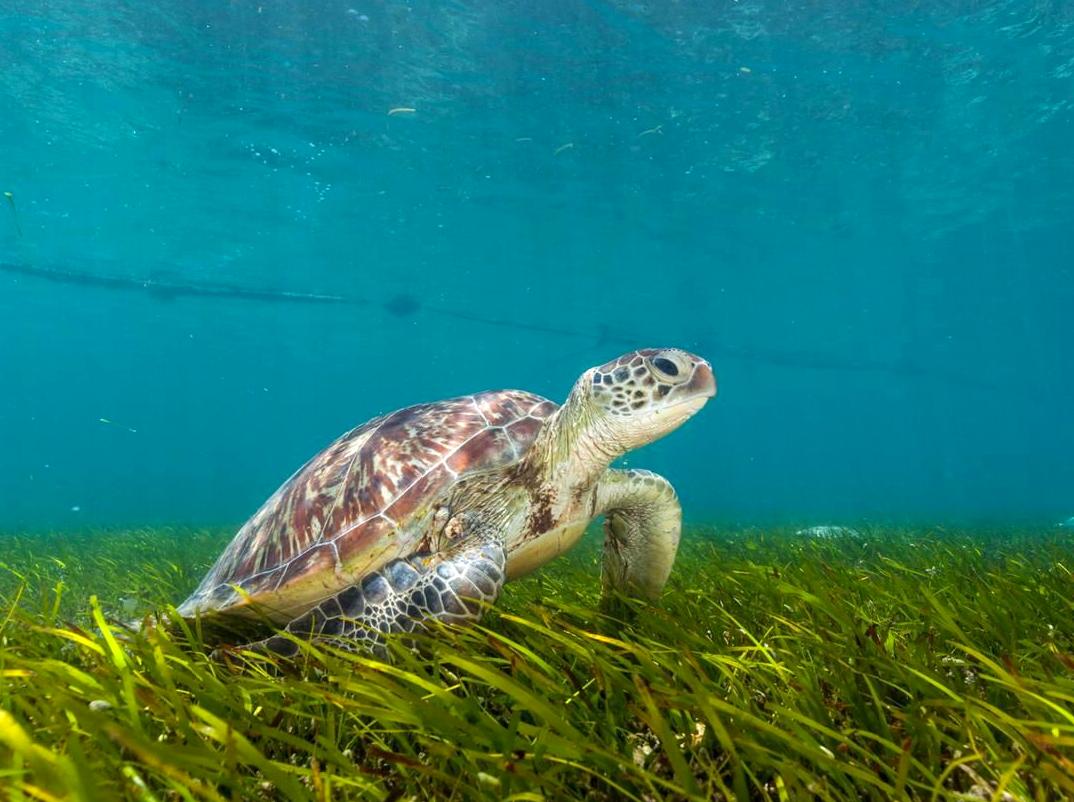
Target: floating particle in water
<point>76,508</point>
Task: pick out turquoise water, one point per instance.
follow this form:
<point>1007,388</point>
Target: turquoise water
<point>861,213</point>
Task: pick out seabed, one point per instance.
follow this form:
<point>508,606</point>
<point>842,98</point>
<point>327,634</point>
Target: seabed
<point>899,664</point>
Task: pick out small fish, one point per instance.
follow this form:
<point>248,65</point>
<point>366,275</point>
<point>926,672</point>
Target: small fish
<point>659,129</point>
<point>401,110</point>
<point>120,425</point>
<point>403,305</point>
<point>14,212</point>
<point>562,148</point>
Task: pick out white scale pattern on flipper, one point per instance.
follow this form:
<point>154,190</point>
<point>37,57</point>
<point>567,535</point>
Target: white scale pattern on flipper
<point>399,597</point>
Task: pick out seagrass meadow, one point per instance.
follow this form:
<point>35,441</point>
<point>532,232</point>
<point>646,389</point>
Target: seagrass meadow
<point>916,664</point>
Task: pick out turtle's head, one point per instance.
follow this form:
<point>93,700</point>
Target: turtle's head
<point>644,395</point>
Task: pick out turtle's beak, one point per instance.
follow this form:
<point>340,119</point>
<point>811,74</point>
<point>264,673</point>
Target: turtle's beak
<point>689,397</point>
<point>703,382</point>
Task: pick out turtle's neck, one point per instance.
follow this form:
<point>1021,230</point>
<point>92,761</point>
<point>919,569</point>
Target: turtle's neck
<point>570,451</point>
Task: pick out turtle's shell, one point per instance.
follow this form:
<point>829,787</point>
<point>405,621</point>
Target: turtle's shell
<point>360,502</point>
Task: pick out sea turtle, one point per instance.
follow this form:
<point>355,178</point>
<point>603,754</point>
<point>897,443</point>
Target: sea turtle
<point>425,512</point>
<point>827,531</point>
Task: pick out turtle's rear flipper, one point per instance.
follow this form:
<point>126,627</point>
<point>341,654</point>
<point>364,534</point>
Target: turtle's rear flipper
<point>452,588</point>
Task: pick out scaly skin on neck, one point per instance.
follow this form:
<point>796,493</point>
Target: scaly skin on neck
<point>573,448</point>
<point>557,480</point>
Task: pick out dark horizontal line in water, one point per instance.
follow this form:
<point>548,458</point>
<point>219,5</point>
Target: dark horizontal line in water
<point>405,305</point>
<point>168,289</point>
<point>402,305</point>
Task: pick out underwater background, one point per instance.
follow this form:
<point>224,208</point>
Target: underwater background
<point>861,213</point>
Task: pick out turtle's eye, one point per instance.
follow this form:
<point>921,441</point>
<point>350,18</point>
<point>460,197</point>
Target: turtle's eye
<point>668,369</point>
<point>666,366</point>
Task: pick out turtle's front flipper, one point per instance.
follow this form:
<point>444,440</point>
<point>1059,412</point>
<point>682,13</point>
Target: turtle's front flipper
<point>451,587</point>
<point>642,522</point>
